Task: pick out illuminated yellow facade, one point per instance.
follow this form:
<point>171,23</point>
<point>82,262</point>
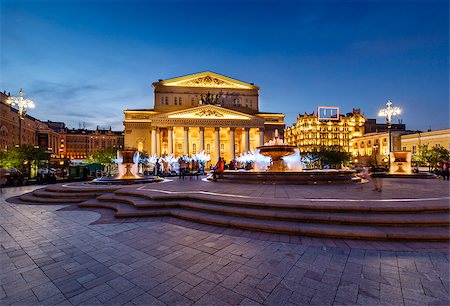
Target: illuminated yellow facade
<point>374,147</point>
<point>438,138</point>
<point>203,111</point>
<point>310,133</point>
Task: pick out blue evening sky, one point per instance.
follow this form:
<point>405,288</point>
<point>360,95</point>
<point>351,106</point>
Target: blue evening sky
<point>87,61</point>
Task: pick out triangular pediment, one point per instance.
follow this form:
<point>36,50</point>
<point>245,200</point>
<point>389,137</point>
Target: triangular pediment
<point>207,112</point>
<point>206,79</point>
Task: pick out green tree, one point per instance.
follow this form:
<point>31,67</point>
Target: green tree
<point>104,157</point>
<point>24,158</point>
<point>333,156</point>
<point>431,157</point>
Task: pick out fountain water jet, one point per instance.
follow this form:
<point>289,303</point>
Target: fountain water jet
<point>285,168</point>
<point>127,162</point>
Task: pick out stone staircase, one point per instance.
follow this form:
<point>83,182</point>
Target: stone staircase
<point>426,220</point>
<point>60,194</point>
<point>353,220</point>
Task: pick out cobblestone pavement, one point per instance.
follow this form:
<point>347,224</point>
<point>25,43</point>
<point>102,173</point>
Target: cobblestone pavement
<point>51,256</point>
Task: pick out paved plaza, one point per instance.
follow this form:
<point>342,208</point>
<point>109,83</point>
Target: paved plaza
<point>63,254</point>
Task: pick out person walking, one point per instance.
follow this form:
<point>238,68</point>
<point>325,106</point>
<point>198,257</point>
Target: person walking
<point>445,170</point>
<point>376,173</point>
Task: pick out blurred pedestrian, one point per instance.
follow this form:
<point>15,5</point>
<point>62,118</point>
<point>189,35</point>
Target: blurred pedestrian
<point>445,170</point>
<point>376,174</point>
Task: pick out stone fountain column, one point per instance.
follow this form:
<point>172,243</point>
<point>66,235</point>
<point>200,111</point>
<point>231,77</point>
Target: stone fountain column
<point>153,148</point>
<point>170,140</point>
<point>216,144</point>
<point>186,141</point>
<point>158,142</point>
<point>202,138</point>
<point>232,143</point>
<point>246,140</point>
<point>261,136</point>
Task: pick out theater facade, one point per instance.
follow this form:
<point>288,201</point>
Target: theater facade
<point>202,111</point>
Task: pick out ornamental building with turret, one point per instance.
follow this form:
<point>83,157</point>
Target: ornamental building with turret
<point>203,111</point>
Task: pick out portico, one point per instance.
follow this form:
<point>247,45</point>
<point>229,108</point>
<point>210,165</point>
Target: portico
<point>212,125</point>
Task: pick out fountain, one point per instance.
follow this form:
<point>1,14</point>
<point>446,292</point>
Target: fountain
<point>276,162</point>
<point>276,149</point>
<point>127,162</point>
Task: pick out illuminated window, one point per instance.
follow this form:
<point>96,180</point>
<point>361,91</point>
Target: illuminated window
<point>222,148</point>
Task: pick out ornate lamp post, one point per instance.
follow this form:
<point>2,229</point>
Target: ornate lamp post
<point>22,105</point>
<point>388,112</point>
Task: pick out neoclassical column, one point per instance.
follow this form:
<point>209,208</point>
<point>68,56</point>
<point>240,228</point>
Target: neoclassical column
<point>158,142</point>
<point>232,144</point>
<point>170,140</point>
<point>186,141</point>
<point>261,136</point>
<point>153,146</point>
<point>216,144</point>
<point>202,138</point>
<point>246,140</point>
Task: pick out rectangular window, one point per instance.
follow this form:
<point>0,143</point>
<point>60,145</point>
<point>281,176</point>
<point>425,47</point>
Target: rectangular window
<point>162,100</point>
<point>404,149</point>
<point>414,149</point>
<point>175,100</point>
<point>167,100</point>
<point>194,148</point>
<point>208,148</point>
<point>179,100</point>
<point>192,101</point>
<point>222,148</point>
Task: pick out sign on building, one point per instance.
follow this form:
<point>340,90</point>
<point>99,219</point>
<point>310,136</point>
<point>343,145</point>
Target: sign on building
<point>328,113</point>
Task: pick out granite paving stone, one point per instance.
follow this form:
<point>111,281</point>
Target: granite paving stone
<point>64,255</point>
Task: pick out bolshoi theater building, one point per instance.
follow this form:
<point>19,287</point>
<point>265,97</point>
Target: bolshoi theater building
<point>203,111</point>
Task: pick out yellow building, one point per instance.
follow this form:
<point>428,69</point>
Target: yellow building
<point>438,138</point>
<point>310,133</point>
<point>373,148</point>
<point>202,111</point>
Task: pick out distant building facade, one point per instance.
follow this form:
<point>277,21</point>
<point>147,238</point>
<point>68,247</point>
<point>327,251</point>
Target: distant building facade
<point>34,131</point>
<point>310,133</point>
<point>438,138</point>
<point>203,111</point>
<point>371,126</point>
<point>82,143</point>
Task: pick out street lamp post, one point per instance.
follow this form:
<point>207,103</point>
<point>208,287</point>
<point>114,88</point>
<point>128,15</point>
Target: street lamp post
<point>388,113</point>
<point>22,105</point>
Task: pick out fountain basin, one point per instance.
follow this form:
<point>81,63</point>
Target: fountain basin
<point>305,177</point>
<point>112,180</point>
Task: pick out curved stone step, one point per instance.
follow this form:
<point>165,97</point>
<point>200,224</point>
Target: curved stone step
<point>284,227</point>
<point>386,219</point>
<point>63,188</point>
<point>40,200</point>
<point>42,193</point>
<point>437,205</point>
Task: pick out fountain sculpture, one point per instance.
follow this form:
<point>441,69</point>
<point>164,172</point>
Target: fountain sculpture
<point>276,162</point>
<point>276,149</point>
<point>127,162</point>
